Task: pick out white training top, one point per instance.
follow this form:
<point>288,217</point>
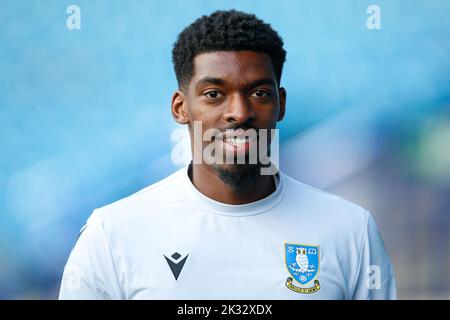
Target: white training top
<point>169,241</point>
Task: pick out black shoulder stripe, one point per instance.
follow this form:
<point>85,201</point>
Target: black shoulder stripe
<point>81,231</point>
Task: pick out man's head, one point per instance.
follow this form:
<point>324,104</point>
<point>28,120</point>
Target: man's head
<point>228,66</point>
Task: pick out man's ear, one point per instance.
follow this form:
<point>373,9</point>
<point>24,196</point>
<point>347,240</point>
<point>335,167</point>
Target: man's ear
<point>282,94</point>
<point>179,111</point>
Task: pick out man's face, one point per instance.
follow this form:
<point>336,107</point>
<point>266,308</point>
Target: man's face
<point>233,90</point>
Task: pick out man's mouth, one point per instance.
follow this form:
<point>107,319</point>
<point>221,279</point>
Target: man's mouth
<point>238,141</point>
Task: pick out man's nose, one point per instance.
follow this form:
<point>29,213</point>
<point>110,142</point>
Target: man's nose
<point>239,110</point>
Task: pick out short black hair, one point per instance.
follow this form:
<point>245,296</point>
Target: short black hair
<point>229,30</point>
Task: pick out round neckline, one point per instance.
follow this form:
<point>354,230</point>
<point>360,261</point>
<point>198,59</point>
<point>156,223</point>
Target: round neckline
<point>240,210</point>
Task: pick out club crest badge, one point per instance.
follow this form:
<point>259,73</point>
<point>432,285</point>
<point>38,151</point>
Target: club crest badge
<point>302,262</point>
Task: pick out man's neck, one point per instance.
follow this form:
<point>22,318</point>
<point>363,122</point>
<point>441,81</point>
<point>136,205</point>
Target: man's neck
<point>207,181</point>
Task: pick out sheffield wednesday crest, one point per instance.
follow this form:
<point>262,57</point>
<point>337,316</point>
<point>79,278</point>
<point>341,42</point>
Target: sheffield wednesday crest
<point>302,262</point>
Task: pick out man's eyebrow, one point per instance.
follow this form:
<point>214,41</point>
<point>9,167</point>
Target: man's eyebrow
<point>261,82</point>
<point>252,84</point>
<point>209,80</point>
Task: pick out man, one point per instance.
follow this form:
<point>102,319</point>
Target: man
<point>223,228</point>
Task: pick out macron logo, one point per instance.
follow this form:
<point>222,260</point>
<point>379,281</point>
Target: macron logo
<point>176,263</point>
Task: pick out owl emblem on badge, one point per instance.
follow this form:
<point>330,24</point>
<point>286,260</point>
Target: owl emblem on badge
<point>302,262</point>
<point>302,259</point>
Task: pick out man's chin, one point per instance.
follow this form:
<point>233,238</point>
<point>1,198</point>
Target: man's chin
<point>240,177</point>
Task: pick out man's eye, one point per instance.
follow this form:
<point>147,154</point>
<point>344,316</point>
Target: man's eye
<point>261,94</point>
<point>213,94</point>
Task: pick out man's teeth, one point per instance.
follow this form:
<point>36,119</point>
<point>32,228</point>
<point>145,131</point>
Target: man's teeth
<point>237,141</point>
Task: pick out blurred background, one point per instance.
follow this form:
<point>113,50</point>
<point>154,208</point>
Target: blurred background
<point>85,120</point>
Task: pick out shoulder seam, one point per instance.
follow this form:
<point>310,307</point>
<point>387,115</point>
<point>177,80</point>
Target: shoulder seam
<point>142,191</point>
<point>363,242</point>
<point>157,184</point>
<point>112,253</point>
<point>326,193</point>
